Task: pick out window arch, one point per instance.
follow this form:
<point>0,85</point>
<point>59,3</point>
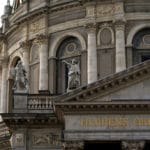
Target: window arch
<point>141,46</point>
<point>69,50</point>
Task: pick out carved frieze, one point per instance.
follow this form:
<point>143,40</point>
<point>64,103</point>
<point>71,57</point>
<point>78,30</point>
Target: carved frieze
<point>109,9</point>
<point>36,26</point>
<point>46,139</point>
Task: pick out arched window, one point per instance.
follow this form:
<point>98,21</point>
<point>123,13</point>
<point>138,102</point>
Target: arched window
<point>68,55</point>
<point>141,46</point>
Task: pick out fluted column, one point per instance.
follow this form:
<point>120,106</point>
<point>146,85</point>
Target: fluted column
<point>120,47</point>
<point>73,145</point>
<point>43,53</point>
<point>92,54</point>
<point>133,145</point>
<point>4,86</point>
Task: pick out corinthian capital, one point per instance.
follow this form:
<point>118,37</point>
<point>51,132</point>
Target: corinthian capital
<point>41,38</point>
<point>25,44</point>
<point>91,27</point>
<point>133,145</point>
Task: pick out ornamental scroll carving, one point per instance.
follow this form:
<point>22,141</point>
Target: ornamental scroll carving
<point>133,145</point>
<point>109,9</point>
<point>49,139</point>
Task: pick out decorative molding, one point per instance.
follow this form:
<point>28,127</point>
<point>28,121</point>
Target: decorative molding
<point>102,27</point>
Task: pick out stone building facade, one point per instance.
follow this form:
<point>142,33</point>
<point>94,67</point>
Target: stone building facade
<point>75,75</point>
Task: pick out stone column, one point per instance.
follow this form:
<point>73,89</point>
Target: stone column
<point>133,145</point>
<point>4,86</point>
<point>73,145</point>
<point>43,53</point>
<point>120,46</point>
<point>92,54</point>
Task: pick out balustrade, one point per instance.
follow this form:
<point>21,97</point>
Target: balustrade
<point>40,102</point>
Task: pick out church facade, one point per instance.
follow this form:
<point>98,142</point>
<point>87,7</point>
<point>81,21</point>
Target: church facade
<point>75,75</point>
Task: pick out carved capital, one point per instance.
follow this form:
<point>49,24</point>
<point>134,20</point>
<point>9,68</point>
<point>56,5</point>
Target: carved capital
<point>41,38</point>
<point>25,45</point>
<point>133,145</point>
<point>91,27</point>
<point>73,145</point>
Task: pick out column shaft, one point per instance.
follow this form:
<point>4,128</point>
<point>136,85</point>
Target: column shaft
<point>120,48</point>
<point>4,89</point>
<point>92,56</point>
<point>43,77</point>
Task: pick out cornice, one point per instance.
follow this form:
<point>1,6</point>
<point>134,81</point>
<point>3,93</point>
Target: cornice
<point>65,6</point>
<point>107,85</point>
<point>13,120</point>
<point>125,106</point>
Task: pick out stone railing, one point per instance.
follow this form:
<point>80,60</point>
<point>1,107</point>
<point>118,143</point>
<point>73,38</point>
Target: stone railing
<point>40,102</point>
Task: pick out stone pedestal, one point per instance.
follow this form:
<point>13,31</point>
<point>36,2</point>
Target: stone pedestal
<point>20,102</point>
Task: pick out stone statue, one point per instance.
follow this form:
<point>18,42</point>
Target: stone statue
<point>20,80</point>
<point>73,74</point>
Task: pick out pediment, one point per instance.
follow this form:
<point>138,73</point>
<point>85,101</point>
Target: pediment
<point>130,84</point>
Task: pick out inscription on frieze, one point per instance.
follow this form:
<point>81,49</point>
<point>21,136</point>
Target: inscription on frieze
<point>108,122</point>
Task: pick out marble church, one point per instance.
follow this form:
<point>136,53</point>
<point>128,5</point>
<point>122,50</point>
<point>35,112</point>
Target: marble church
<point>75,75</point>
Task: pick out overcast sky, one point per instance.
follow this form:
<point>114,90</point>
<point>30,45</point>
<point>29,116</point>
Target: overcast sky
<point>2,4</point>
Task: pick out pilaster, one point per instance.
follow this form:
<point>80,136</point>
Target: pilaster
<point>120,46</point>
<point>4,102</point>
<point>92,53</point>
<point>42,40</point>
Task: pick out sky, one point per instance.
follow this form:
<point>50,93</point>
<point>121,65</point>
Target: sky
<point>2,4</point>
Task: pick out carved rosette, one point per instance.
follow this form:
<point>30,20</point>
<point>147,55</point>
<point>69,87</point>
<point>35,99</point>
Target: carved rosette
<point>73,145</point>
<point>133,145</point>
